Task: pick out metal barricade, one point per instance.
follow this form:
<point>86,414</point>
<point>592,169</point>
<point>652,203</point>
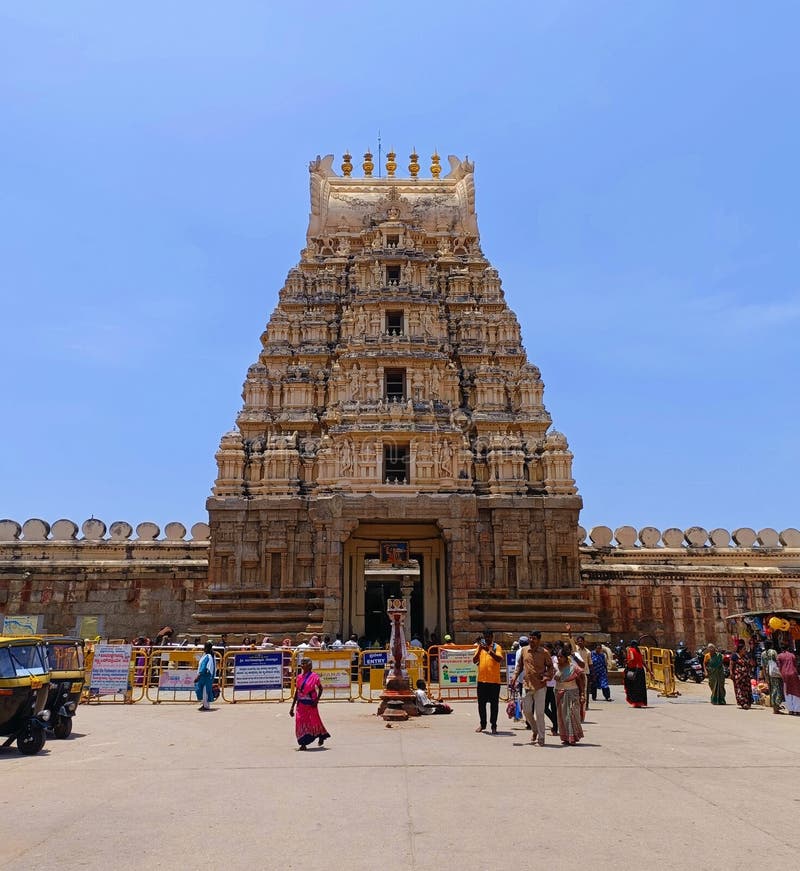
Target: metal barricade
<point>256,675</point>
<point>171,672</point>
<point>115,674</point>
<point>374,665</point>
<point>334,668</point>
<point>457,674</point>
<point>660,670</point>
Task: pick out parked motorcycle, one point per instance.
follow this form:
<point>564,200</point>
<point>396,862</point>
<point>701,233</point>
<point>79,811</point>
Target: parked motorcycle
<point>688,666</point>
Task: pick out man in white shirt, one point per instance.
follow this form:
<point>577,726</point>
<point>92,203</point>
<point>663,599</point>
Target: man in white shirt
<point>426,705</point>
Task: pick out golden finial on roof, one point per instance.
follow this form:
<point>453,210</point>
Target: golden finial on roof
<point>391,164</point>
<point>347,163</point>
<point>436,169</point>
<point>368,165</point>
<point>413,167</point>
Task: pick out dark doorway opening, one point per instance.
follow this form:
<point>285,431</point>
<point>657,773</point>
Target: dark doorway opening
<point>376,621</point>
<point>377,592</point>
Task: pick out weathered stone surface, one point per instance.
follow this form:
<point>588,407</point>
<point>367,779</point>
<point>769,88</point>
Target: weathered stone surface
<point>10,530</point>
<point>790,538</point>
<point>200,532</point>
<point>768,538</point>
<point>649,536</point>
<point>696,536</point>
<point>175,531</point>
<point>601,536</point>
<point>720,537</point>
<point>35,529</point>
<point>64,530</point>
<point>744,537</point>
<point>93,529</point>
<point>625,536</point>
<point>672,537</point>
<point>147,531</point>
<point>120,530</point>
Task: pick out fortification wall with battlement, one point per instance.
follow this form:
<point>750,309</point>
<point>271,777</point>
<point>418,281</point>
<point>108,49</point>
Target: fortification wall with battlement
<point>680,584</point>
<point>675,584</point>
<point>136,580</point>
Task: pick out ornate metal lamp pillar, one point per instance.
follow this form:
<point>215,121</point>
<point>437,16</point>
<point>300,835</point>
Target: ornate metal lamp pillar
<point>397,701</point>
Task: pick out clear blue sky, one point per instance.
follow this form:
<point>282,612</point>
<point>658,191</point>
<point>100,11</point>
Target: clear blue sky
<point>637,187</point>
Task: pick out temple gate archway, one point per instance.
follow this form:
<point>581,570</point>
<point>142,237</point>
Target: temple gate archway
<point>369,579</point>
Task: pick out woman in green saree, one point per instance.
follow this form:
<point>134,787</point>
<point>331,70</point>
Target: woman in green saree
<point>715,671</point>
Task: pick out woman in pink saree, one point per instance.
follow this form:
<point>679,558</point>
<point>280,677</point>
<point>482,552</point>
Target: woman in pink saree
<point>308,725</point>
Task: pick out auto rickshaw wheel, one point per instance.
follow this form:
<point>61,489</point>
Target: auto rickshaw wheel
<point>63,727</point>
<point>32,741</point>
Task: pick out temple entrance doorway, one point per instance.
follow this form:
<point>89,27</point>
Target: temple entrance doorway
<point>383,561</point>
<point>376,621</point>
<point>383,582</point>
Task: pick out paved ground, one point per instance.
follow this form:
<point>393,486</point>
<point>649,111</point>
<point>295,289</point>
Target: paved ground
<point>680,785</point>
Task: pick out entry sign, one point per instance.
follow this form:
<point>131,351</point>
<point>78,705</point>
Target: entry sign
<point>110,669</point>
<point>375,660</point>
<point>258,671</point>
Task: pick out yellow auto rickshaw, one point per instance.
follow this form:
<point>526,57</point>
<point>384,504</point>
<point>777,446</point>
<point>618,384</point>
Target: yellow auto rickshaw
<point>24,685</point>
<point>67,677</point>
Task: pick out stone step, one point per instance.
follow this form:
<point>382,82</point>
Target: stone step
<point>255,593</point>
<point>254,605</point>
<point>564,615</point>
<point>250,616</point>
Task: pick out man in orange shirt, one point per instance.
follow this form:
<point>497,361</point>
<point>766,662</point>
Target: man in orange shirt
<point>488,657</point>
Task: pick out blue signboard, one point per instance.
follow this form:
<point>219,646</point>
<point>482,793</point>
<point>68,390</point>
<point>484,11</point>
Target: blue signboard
<point>375,660</point>
<point>258,671</point>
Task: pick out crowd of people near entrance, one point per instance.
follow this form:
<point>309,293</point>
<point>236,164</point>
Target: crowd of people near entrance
<point>552,683</point>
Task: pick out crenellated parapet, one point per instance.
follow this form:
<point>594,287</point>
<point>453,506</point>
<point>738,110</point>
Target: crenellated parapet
<point>694,539</point>
<point>135,579</point>
<point>680,584</point>
<point>93,530</point>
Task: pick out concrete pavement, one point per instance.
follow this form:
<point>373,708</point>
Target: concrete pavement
<point>679,785</point>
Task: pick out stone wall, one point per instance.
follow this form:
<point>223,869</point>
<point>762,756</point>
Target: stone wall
<point>676,584</point>
<point>680,584</point>
<point>137,583</point>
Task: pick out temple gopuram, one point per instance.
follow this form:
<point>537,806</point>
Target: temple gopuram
<point>393,438</point>
<point>393,442</point>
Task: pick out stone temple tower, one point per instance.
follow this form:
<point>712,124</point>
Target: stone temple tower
<point>393,437</point>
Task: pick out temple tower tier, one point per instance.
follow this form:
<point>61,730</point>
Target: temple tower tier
<point>393,437</point>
